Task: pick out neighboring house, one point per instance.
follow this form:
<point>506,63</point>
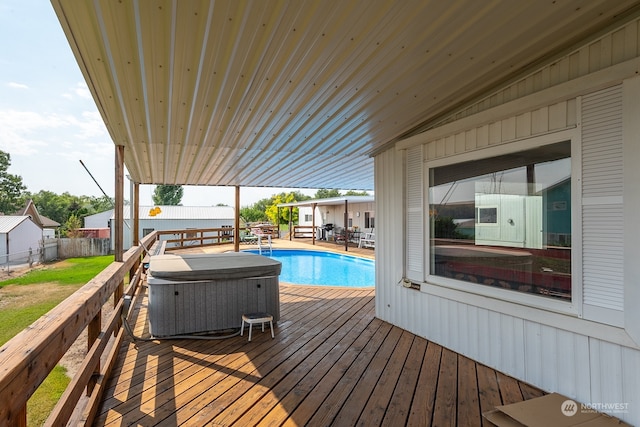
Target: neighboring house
<point>18,236</point>
<point>561,312</point>
<point>48,225</point>
<point>169,218</point>
<point>360,212</point>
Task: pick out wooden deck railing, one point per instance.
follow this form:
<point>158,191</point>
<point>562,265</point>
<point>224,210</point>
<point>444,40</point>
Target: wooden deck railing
<point>179,239</point>
<point>28,358</point>
<point>304,230</point>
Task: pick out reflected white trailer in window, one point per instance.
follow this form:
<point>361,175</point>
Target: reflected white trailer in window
<point>509,220</point>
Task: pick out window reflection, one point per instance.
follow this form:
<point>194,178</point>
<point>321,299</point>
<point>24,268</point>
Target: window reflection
<point>505,221</point>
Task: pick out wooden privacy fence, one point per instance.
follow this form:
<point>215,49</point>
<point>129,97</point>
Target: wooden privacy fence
<point>83,247</point>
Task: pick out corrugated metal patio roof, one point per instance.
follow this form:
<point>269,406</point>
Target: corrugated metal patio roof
<point>301,93</point>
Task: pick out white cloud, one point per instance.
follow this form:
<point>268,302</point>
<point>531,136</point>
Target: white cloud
<point>17,85</point>
<point>20,131</point>
<point>27,132</point>
<point>89,125</point>
<point>82,90</point>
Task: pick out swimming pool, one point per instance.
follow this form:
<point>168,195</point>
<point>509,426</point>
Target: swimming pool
<point>306,267</point>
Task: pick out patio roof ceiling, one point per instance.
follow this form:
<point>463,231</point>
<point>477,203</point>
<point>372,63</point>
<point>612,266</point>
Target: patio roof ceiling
<point>300,93</point>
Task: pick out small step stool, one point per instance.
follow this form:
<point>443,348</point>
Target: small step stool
<point>253,318</point>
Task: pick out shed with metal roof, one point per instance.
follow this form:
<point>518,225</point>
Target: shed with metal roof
<point>165,218</point>
<point>18,235</point>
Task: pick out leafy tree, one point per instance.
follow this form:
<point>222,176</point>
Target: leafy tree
<point>324,193</point>
<point>253,214</point>
<point>71,226</point>
<point>59,207</point>
<point>167,195</point>
<point>11,186</point>
<point>445,228</point>
<point>276,199</point>
<point>356,193</point>
<point>101,204</point>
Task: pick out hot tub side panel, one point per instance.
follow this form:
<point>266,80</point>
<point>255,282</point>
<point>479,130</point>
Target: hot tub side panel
<point>180,308</point>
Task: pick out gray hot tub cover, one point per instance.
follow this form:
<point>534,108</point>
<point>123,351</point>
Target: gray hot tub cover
<point>231,265</point>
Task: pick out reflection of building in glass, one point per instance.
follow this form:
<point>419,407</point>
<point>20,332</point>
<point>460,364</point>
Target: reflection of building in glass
<point>557,208</point>
<point>509,220</point>
<point>505,221</point>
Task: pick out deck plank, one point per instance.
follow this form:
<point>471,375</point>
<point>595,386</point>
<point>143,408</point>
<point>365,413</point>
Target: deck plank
<point>301,379</point>
<point>488,391</point>
<point>331,363</point>
<point>444,412</point>
<point>421,412</point>
<point>376,406</point>
<point>290,373</point>
<point>356,402</point>
<point>509,389</point>
<point>311,335</point>
<point>326,414</point>
<point>400,403</point>
<point>326,399</point>
<point>468,400</point>
<point>259,364</point>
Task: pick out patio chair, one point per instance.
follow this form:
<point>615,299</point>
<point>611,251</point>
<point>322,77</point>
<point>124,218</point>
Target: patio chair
<point>248,238</point>
<point>367,240</point>
<point>339,234</point>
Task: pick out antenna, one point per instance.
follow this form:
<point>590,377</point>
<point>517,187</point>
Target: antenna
<point>94,180</point>
<point>108,198</point>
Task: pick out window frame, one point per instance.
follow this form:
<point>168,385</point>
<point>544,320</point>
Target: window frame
<point>369,219</point>
<point>443,285</point>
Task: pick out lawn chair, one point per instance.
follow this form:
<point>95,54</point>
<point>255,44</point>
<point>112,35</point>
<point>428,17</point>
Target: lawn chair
<point>248,238</point>
<point>367,240</point>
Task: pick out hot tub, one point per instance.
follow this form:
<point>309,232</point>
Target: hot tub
<point>199,293</point>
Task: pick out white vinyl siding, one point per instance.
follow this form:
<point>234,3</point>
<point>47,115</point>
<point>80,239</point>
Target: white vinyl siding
<point>415,215</point>
<point>602,205</point>
<point>585,353</point>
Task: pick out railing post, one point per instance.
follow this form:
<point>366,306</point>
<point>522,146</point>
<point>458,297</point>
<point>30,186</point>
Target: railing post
<point>118,294</point>
<point>93,332</point>
<point>22,417</point>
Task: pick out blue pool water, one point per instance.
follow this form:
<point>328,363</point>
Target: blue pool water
<point>322,268</point>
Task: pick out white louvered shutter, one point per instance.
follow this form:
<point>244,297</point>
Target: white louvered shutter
<point>415,215</point>
<point>602,206</point>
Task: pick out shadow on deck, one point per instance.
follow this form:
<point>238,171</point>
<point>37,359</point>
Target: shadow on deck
<point>331,363</point>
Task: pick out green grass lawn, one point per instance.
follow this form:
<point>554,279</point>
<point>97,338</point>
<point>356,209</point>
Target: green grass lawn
<point>75,271</point>
<point>21,305</point>
<point>26,298</point>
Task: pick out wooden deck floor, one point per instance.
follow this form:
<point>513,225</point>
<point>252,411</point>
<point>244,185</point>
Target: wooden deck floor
<point>331,363</point>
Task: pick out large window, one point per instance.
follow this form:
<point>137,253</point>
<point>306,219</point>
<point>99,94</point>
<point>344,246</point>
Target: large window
<point>505,221</point>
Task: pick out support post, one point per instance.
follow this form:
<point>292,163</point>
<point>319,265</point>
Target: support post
<point>136,214</point>
<point>236,224</point>
<point>290,222</point>
<point>119,205</point>
<point>346,223</point>
<point>313,223</point>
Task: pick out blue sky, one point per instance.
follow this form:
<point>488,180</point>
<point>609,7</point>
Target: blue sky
<point>49,122</point>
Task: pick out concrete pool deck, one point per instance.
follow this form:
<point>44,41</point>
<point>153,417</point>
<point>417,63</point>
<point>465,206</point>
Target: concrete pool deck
<point>299,243</point>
